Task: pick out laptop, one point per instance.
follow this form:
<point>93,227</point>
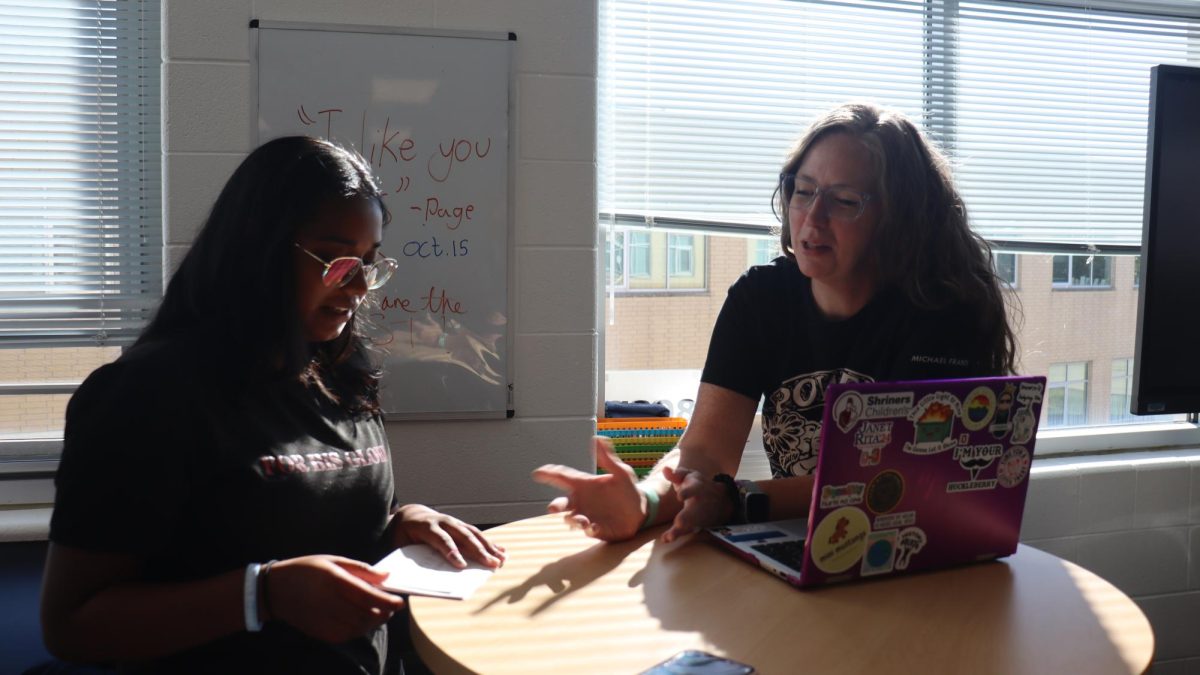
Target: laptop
<point>910,476</point>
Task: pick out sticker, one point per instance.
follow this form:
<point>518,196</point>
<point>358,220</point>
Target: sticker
<point>839,540</point>
<point>933,422</point>
<point>870,439</point>
<point>1029,393</point>
<point>976,458</point>
<point>848,410</point>
<point>910,543</point>
<point>1022,426</point>
<point>881,553</point>
<point>894,520</point>
<point>1000,424</point>
<point>833,496</point>
<point>885,491</point>
<point>978,408</point>
<point>1014,466</point>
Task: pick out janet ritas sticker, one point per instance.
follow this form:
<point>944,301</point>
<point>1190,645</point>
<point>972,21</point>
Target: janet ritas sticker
<point>839,539</point>
<point>978,408</point>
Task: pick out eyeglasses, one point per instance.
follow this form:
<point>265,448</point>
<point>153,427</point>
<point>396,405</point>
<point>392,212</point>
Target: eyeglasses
<point>841,203</point>
<point>340,271</point>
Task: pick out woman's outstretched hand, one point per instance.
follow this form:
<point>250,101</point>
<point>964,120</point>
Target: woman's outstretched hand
<point>607,506</point>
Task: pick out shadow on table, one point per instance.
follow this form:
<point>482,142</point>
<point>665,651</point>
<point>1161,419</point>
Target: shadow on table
<point>569,574</point>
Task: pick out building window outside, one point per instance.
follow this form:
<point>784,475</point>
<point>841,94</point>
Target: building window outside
<point>1067,393</point>
<point>1006,267</point>
<point>761,251</point>
<point>1082,271</point>
<point>1122,391</point>
<point>80,199</point>
<point>639,254</point>
<point>648,261</point>
<point>681,252</point>
<point>1137,271</point>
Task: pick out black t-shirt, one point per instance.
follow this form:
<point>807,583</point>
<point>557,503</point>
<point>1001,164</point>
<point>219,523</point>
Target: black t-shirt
<point>162,461</point>
<point>772,341</point>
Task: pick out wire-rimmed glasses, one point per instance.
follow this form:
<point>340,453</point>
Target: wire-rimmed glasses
<point>841,203</point>
<point>340,271</point>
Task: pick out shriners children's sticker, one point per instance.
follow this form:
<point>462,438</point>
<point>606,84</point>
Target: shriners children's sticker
<point>910,543</point>
<point>1014,466</point>
<point>881,553</point>
<point>839,540</point>
<point>933,422</point>
<point>979,406</point>
<point>847,410</point>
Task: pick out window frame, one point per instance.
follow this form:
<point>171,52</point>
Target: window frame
<point>940,55</point>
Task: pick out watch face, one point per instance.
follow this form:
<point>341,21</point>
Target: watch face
<point>756,506</point>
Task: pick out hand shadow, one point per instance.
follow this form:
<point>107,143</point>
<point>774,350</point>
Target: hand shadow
<point>567,575</point>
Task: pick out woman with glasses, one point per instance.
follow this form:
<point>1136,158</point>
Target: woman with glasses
<point>226,483</point>
<point>881,279</point>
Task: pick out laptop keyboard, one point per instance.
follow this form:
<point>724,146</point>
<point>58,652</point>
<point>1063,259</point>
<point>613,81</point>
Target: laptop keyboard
<point>790,553</point>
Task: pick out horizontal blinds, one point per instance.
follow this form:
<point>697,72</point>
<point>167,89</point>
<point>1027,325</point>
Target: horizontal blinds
<point>80,215</point>
<point>1042,107</point>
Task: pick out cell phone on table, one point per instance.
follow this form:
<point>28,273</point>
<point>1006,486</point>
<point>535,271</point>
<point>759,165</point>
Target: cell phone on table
<point>694,662</point>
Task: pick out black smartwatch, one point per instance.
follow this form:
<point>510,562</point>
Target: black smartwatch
<point>755,505</point>
<point>750,503</point>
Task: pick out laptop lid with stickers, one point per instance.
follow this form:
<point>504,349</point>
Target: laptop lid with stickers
<point>919,475</point>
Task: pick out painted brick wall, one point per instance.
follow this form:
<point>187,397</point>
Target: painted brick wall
<point>477,469</point>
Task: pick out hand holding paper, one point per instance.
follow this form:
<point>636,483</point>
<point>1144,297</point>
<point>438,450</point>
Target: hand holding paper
<point>417,569</point>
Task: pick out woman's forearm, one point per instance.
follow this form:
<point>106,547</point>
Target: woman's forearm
<point>141,621</point>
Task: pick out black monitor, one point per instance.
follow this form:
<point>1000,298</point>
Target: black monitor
<point>1166,367</point>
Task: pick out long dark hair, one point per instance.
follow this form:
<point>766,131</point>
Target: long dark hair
<point>234,293</point>
<point>932,254</point>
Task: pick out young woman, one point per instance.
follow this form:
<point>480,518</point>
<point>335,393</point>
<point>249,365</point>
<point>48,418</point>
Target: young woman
<point>226,482</point>
<point>881,279</point>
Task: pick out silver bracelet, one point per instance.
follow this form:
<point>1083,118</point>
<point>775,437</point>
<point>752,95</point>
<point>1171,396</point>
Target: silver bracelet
<point>250,598</point>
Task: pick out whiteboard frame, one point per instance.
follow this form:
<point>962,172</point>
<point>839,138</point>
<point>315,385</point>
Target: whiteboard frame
<point>255,24</point>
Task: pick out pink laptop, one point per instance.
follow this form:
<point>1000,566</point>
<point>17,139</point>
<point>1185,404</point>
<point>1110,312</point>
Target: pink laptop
<point>910,476</point>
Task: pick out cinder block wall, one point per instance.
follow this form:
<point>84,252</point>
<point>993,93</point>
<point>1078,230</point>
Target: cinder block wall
<point>476,469</point>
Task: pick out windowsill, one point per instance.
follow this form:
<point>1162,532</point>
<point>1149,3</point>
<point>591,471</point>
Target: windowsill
<point>1065,287</point>
<point>24,523</point>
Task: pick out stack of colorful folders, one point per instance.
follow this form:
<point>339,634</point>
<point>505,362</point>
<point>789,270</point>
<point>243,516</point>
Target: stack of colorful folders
<point>641,441</point>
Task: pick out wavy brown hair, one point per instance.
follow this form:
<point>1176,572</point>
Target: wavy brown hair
<point>933,256</point>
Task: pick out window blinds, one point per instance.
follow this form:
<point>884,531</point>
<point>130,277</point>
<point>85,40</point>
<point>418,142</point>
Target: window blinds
<point>80,216</point>
<point>1042,107</point>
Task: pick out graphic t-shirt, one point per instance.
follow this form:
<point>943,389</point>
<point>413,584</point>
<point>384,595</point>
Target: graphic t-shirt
<point>771,341</point>
<point>160,462</point>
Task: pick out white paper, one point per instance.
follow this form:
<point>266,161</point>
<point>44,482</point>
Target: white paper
<point>417,569</point>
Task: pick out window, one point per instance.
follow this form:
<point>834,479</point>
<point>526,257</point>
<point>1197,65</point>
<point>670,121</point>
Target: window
<point>1122,391</point>
<point>1137,271</point>
<point>1066,395</point>
<point>1041,107</point>
<point>1006,267</point>
<point>1082,271</point>
<point>761,251</point>
<point>80,201</point>
<point>640,260</point>
<point>682,255</point>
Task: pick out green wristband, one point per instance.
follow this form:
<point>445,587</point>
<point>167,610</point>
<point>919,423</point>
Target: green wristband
<point>651,504</point>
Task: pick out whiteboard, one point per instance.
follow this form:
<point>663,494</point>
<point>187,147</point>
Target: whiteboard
<point>429,111</point>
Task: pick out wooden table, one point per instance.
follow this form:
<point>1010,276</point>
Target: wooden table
<point>564,603</point>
